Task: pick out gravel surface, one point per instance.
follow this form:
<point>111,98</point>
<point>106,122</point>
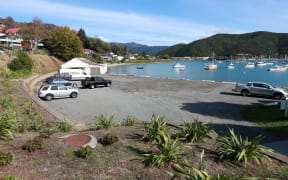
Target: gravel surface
<point>177,100</point>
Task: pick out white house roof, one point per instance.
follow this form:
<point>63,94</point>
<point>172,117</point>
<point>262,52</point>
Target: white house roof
<point>79,63</point>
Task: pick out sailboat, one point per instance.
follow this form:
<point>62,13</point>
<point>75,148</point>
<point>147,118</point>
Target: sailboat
<point>211,66</point>
<point>231,66</point>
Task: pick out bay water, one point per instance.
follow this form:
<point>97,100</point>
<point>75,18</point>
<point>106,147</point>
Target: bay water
<point>195,71</point>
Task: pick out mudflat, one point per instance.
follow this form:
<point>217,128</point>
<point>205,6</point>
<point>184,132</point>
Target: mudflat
<point>177,100</point>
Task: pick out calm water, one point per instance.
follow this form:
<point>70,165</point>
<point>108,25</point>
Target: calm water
<point>194,71</point>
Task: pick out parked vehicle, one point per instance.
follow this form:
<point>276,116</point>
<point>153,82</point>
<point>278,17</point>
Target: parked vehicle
<point>95,81</point>
<point>262,89</point>
<point>56,80</point>
<point>76,74</point>
<point>50,91</point>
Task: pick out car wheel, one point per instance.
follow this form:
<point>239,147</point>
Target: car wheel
<point>92,86</point>
<point>73,95</point>
<point>278,96</point>
<point>244,93</point>
<point>49,97</point>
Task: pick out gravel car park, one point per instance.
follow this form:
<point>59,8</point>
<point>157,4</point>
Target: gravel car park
<point>177,100</point>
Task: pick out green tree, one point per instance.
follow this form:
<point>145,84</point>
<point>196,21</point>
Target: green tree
<point>82,35</point>
<point>99,46</point>
<point>117,49</point>
<point>21,62</point>
<point>63,43</point>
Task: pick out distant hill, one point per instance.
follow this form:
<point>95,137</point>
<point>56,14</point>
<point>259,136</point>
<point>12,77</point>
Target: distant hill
<point>256,43</point>
<point>140,47</point>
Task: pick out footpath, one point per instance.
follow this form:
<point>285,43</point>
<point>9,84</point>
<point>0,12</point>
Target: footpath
<point>280,147</point>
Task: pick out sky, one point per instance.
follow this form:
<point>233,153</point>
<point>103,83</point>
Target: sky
<point>154,22</point>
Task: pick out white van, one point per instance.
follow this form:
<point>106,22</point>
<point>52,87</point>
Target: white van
<point>76,74</point>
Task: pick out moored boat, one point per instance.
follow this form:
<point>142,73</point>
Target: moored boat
<point>278,68</point>
<point>179,66</point>
<point>210,66</point>
<point>249,65</point>
<point>231,66</point>
<point>260,63</point>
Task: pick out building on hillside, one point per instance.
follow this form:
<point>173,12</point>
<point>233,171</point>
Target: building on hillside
<point>86,65</point>
<point>10,37</point>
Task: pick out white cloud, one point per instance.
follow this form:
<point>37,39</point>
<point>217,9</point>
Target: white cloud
<point>115,26</point>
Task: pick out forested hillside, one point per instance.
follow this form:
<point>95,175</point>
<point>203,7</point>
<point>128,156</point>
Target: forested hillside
<point>254,44</point>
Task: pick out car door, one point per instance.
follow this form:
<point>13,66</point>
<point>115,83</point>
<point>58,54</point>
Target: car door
<point>261,89</point>
<point>55,91</point>
<point>63,91</point>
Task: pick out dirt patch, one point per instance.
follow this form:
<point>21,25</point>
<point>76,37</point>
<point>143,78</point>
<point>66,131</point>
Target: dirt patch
<point>77,140</point>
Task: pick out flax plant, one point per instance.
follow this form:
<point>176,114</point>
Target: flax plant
<point>153,129</point>
<point>168,151</point>
<point>234,148</point>
<point>195,132</point>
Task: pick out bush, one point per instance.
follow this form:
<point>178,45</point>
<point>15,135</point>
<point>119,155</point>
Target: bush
<point>46,133</point>
<point>129,121</point>
<point>103,122</point>
<point>32,145</point>
<point>109,139</point>
<point>195,132</point>
<point>83,152</point>
<point>168,151</point>
<point>7,125</point>
<point>21,62</point>
<point>157,126</point>
<point>235,148</point>
<point>64,126</point>
<point>6,158</point>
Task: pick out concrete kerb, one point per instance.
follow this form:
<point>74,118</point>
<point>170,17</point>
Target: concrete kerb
<point>29,87</point>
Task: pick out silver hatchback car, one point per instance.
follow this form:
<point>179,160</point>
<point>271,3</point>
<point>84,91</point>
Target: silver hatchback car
<point>51,91</point>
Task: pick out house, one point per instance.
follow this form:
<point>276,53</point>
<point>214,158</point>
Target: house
<point>10,37</point>
<point>89,52</point>
<point>86,65</point>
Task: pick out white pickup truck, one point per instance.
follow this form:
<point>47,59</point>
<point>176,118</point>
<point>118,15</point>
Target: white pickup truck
<point>262,89</point>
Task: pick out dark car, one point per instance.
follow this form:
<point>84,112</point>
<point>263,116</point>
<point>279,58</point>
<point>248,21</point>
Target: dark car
<point>95,81</point>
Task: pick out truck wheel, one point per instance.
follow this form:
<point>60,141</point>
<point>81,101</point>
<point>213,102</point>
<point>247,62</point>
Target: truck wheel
<point>244,93</point>
<point>49,97</point>
<point>278,96</point>
<point>92,86</point>
<point>73,95</point>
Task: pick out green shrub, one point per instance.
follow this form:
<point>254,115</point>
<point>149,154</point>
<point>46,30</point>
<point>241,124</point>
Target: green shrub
<point>129,121</point>
<point>46,133</point>
<point>102,122</point>
<point>7,125</point>
<point>32,145</point>
<point>8,177</point>
<point>234,148</point>
<point>168,151</point>
<point>109,139</point>
<point>64,126</point>
<point>83,152</point>
<point>153,129</point>
<point>6,158</point>
<point>195,132</point>
<point>21,62</point>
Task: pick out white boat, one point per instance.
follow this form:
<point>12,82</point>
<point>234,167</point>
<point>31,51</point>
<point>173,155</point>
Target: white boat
<point>179,66</point>
<point>210,66</point>
<point>231,66</point>
<point>278,68</point>
<point>249,65</point>
<point>260,63</point>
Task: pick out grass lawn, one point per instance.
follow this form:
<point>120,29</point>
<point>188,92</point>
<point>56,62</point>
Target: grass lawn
<point>269,117</point>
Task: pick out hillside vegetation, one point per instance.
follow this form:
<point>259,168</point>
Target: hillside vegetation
<point>42,63</point>
<point>254,44</point>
